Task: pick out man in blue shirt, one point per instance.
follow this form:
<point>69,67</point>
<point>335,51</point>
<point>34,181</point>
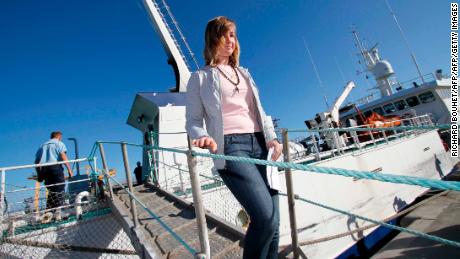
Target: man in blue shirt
<point>51,151</point>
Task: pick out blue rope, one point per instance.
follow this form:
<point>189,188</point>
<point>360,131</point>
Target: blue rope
<point>407,230</point>
<point>164,225</point>
<point>391,178</point>
<point>418,181</point>
<point>383,177</point>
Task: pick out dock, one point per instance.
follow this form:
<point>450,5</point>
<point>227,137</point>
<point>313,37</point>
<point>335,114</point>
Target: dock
<point>440,217</point>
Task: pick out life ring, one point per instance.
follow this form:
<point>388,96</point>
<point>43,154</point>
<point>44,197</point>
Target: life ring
<point>46,218</point>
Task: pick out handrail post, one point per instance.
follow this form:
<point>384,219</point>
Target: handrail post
<point>106,169</point>
<point>290,195</point>
<point>2,196</point>
<point>385,136</point>
<point>130,183</point>
<point>372,134</point>
<point>198,203</point>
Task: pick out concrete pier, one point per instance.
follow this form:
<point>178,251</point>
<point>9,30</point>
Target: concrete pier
<point>438,217</point>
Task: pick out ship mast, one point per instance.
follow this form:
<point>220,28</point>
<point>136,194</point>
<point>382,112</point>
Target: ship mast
<point>381,69</point>
<point>175,57</point>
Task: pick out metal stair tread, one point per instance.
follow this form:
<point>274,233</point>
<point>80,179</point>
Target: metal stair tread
<point>166,242</point>
<point>168,210</point>
<point>181,219</point>
<point>155,228</point>
<point>220,244</point>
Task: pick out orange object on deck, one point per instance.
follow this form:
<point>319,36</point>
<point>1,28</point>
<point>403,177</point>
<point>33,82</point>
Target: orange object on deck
<point>378,121</point>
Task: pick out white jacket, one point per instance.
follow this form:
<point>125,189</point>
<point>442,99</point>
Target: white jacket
<point>203,100</point>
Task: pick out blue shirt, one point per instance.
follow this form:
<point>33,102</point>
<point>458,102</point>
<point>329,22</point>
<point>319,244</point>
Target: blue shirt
<point>50,151</point>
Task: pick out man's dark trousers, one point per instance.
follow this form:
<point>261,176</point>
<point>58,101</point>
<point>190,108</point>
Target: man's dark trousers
<point>53,175</point>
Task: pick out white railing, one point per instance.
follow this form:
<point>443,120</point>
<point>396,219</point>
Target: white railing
<point>352,137</point>
<point>3,171</point>
<point>10,168</point>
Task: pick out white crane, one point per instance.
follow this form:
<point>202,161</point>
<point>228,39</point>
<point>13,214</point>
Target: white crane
<point>175,57</point>
<point>330,119</point>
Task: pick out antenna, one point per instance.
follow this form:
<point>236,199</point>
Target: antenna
<point>340,69</point>
<point>368,60</point>
<point>342,75</point>
<point>316,73</point>
<point>405,41</point>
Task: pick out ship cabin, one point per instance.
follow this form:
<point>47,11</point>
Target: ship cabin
<point>431,97</point>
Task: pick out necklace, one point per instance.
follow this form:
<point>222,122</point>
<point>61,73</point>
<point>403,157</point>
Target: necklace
<point>228,78</point>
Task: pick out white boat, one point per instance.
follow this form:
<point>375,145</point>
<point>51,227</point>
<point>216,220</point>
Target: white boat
<point>161,119</point>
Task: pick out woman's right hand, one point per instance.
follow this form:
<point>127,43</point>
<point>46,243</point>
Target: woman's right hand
<point>206,142</point>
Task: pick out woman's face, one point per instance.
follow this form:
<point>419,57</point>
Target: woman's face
<point>227,46</point>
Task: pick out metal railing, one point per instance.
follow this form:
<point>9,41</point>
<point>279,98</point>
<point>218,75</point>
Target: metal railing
<point>4,170</point>
<point>43,221</point>
<point>397,86</point>
<point>134,201</point>
<point>357,137</point>
<point>415,126</point>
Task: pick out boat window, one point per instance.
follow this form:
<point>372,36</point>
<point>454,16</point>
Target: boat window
<point>367,113</point>
<point>426,97</point>
<point>389,108</point>
<point>378,110</point>
<point>400,105</point>
<point>412,101</point>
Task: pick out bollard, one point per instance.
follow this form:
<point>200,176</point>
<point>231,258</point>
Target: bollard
<point>290,195</point>
<point>198,203</point>
<point>130,184</point>
<point>106,170</point>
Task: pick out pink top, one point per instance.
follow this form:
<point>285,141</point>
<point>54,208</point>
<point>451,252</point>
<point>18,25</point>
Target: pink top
<point>238,108</point>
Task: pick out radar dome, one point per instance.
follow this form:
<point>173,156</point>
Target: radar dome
<point>382,69</point>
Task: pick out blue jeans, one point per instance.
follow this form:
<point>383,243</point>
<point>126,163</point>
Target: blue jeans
<point>248,183</point>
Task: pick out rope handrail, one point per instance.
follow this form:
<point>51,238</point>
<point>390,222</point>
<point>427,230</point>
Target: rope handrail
<point>381,223</point>
<point>164,225</point>
<point>383,177</point>
<point>360,229</point>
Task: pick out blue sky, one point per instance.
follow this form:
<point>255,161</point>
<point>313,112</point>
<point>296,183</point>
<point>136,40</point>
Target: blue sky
<point>76,66</point>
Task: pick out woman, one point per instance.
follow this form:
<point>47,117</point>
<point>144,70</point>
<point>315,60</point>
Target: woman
<point>225,96</point>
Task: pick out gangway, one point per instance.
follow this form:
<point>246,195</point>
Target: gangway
<point>224,239</point>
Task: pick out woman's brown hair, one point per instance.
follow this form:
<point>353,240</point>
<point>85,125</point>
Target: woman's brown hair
<point>215,31</point>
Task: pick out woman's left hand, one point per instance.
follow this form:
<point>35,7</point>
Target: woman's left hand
<point>277,149</point>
